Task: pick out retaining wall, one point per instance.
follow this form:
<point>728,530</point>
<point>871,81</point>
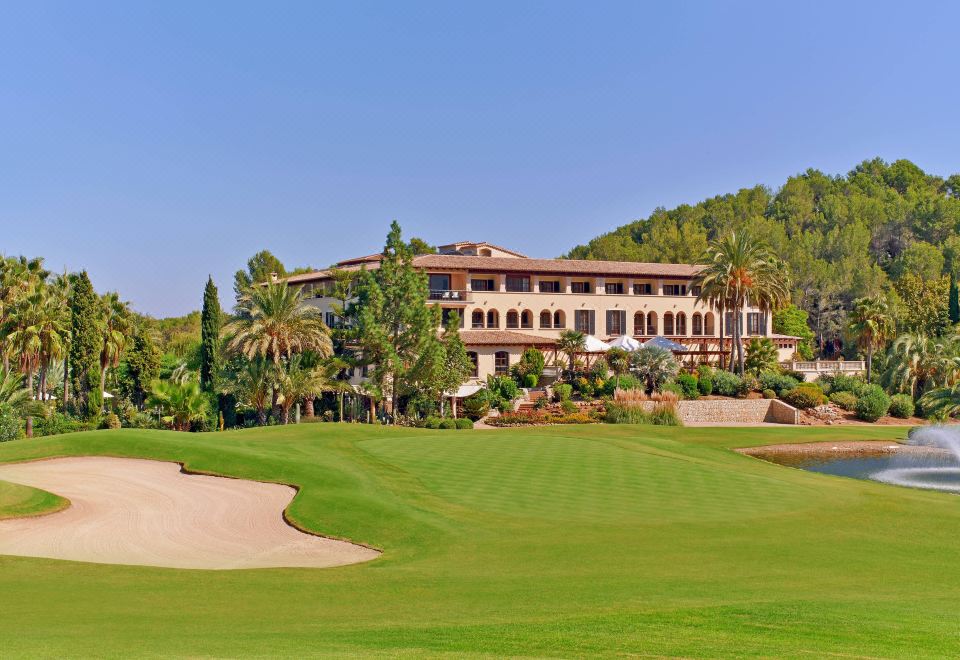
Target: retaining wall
<point>727,411</point>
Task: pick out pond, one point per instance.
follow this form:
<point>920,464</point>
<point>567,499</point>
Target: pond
<point>930,459</point>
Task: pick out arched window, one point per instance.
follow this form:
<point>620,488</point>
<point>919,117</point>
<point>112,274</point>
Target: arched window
<point>708,324</point>
<point>526,319</point>
<point>546,320</point>
<point>668,323</point>
<point>681,324</point>
<point>697,324</point>
<point>501,363</point>
<point>493,319</point>
<point>639,327</point>
<point>652,324</point>
<point>513,319</point>
<point>476,318</point>
<point>559,320</point>
<point>473,359</point>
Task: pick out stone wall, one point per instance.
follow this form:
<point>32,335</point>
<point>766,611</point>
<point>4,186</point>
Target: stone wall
<point>727,411</point>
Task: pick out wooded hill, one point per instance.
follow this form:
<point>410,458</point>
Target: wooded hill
<point>888,229</point>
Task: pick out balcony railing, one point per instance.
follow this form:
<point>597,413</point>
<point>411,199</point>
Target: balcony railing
<point>449,295</point>
<point>828,366</point>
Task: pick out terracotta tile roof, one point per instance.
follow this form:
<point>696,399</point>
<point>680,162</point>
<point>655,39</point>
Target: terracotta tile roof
<point>503,338</point>
<point>457,245</point>
<point>479,265</point>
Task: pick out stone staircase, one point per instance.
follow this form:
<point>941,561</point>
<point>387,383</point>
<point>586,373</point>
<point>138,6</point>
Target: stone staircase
<point>529,402</point>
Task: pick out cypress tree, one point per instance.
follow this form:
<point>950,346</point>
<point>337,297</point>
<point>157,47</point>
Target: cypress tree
<point>85,343</point>
<point>954,301</point>
<point>211,323</point>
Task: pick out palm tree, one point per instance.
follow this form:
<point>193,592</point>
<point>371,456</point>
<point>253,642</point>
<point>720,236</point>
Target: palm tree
<point>654,365</point>
<point>116,328</point>
<point>917,363</point>
<point>253,384</point>
<point>298,381</point>
<point>184,402</point>
<point>18,276</point>
<point>761,355</point>
<point>572,342</point>
<point>336,381</point>
<point>274,321</point>
<point>872,325</point>
<point>19,399</point>
<point>619,361</point>
<point>739,270</point>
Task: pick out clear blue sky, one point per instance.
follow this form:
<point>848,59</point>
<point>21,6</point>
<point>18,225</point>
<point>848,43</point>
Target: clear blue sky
<point>153,143</point>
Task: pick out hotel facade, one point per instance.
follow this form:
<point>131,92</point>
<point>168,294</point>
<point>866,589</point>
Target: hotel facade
<point>508,302</point>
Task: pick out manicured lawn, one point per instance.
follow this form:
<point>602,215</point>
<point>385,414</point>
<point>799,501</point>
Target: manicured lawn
<point>17,500</point>
<point>563,541</point>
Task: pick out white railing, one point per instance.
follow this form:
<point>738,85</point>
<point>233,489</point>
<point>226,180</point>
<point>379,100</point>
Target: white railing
<point>827,366</point>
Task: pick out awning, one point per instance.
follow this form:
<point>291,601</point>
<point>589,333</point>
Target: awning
<point>467,390</point>
<point>626,342</point>
<point>663,342</point>
<point>594,345</point>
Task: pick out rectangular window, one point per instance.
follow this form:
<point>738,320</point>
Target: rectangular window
<point>728,323</point>
<point>674,289</point>
<point>616,322</point>
<point>549,286</point>
<point>439,282</point>
<point>482,285</point>
<point>695,290</point>
<point>642,289</point>
<point>581,287</point>
<point>330,319</point>
<point>519,283</point>
<point>473,360</point>
<point>613,288</point>
<point>501,362</point>
<point>756,323</point>
<point>584,321</point>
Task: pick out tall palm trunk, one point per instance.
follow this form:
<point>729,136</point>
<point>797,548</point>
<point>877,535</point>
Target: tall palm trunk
<point>340,397</point>
<point>308,407</point>
<point>739,330</point>
<point>723,319</point>
<point>103,386</point>
<point>261,416</point>
<point>29,429</point>
<point>42,387</point>
<point>66,382</point>
<point>869,361</point>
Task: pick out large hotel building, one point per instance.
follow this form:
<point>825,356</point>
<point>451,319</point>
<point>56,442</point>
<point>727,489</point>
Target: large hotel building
<point>508,302</point>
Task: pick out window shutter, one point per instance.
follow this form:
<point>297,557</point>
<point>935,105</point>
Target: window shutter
<point>610,314</point>
<point>593,322</point>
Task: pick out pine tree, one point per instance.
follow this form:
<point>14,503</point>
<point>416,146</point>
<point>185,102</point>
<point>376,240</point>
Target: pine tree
<point>954,301</point>
<point>143,365</point>
<point>392,316</point>
<point>457,365</point>
<point>211,323</point>
<point>85,343</point>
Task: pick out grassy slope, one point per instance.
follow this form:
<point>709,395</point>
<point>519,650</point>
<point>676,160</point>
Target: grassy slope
<point>17,501</point>
<point>559,541</point>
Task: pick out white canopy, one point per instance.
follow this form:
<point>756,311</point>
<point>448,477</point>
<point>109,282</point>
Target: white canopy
<point>466,390</point>
<point>626,342</point>
<point>663,342</point>
<point>594,345</point>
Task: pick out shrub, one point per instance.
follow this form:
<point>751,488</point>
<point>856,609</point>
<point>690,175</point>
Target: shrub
<point>431,422</point>
<point>901,406</point>
<point>769,394</point>
<point>625,413</point>
<point>845,383</point>
<point>872,404</point>
<point>705,382</point>
<point>805,395</point>
<point>798,376</point>
<point>673,388</point>
<point>9,424</point>
<point>530,380</point>
<point>629,382</point>
<point>665,415</point>
<point>57,423</point>
<point>726,383</point>
<point>568,406</point>
<point>464,423</point>
<point>846,400</point>
<point>688,386</point>
<point>476,406</point>
<point>448,424</point>
<point>574,418</point>
<point>562,391</point>
<point>111,421</point>
<point>778,382</point>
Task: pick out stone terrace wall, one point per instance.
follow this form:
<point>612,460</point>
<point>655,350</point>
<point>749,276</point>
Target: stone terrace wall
<point>748,411</point>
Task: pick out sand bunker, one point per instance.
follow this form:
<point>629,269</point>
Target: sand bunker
<point>149,513</point>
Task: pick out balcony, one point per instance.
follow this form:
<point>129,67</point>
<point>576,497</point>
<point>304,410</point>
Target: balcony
<point>449,296</point>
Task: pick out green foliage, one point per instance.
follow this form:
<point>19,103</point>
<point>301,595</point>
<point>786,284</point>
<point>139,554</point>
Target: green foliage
<point>793,321</point>
<point>140,367</point>
<point>805,395</point>
<point>85,342</point>
<point>501,392</point>
<point>211,326</point>
<point>953,300</point>
<point>689,386</point>
<point>923,305</point>
<point>624,413</point>
<point>432,422</point>
<point>842,383</point>
<point>872,404</point>
<point>776,381</point>
<point>530,380</point>
<point>844,399</point>
<point>705,379</point>
<point>562,391</point>
<point>57,423</point>
<point>259,268</point>
<point>726,383</point>
<point>664,415</point>
<point>902,406</point>
<point>476,406</point>
<point>448,424</point>
<point>111,421</point>
<point>568,406</point>
<point>761,355</point>
<point>463,423</point>
<point>531,363</point>
<point>9,423</point>
<point>769,394</point>
<point>182,401</point>
<point>654,366</point>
